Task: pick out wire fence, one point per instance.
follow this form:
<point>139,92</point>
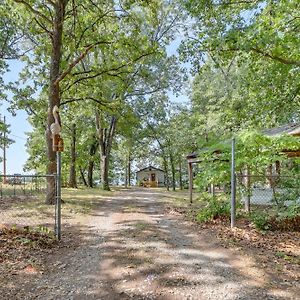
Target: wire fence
<point>22,201</point>
<point>268,190</point>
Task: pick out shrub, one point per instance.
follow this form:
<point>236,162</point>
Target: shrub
<point>285,219</point>
<point>285,224</point>
<point>214,209</point>
<point>260,220</point>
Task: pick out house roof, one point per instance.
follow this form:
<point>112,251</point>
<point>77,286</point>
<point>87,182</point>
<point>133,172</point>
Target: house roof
<point>217,149</point>
<point>291,129</point>
<point>150,168</point>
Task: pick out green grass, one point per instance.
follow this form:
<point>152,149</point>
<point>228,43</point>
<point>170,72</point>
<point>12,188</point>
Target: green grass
<point>82,200</point>
<point>33,211</point>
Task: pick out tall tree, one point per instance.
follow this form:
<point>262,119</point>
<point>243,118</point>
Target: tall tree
<point>83,42</point>
<point>252,47</point>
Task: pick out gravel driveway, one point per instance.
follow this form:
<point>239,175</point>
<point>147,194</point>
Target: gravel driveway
<point>130,248</point>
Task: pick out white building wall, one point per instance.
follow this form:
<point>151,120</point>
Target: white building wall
<point>159,175</point>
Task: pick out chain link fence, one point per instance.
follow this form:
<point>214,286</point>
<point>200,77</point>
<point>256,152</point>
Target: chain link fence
<point>22,202</point>
<point>268,190</point>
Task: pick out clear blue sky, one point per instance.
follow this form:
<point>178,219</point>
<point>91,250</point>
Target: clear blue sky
<point>16,153</point>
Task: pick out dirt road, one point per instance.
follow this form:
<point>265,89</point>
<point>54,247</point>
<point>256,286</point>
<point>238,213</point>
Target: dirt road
<point>129,248</point>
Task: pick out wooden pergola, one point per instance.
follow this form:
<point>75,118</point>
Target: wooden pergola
<point>292,129</point>
<point>195,158</point>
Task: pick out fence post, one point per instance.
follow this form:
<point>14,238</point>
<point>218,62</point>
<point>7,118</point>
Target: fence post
<point>233,184</point>
<point>58,195</point>
<point>190,171</point>
<point>248,185</point>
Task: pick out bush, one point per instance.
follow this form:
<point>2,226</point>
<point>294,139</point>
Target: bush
<point>214,209</point>
<point>285,224</point>
<point>285,219</point>
<point>260,220</point>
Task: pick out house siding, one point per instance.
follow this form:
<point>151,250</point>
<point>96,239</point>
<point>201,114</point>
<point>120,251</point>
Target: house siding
<point>146,175</point>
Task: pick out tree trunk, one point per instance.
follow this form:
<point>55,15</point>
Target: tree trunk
<point>165,163</point>
<point>180,175</point>
<point>92,152</point>
<point>129,170</point>
<point>54,96</point>
<point>126,174</point>
<point>90,174</point>
<point>82,176</point>
<point>173,171</point>
<point>104,173</point>
<point>72,175</point>
<point>105,143</point>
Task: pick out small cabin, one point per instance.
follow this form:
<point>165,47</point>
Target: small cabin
<point>150,177</point>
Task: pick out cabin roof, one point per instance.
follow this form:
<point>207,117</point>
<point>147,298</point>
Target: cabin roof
<point>150,168</point>
<point>291,129</point>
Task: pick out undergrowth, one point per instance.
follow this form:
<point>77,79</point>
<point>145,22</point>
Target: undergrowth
<point>38,237</point>
<point>214,207</point>
<point>284,219</point>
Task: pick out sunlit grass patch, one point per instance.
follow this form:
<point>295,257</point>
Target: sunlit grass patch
<point>82,200</point>
<point>32,211</point>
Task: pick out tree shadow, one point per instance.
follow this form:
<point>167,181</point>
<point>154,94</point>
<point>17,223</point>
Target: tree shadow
<point>131,250</point>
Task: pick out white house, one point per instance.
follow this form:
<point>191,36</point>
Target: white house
<point>150,177</point>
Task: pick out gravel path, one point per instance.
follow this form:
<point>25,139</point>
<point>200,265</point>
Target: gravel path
<point>130,249</point>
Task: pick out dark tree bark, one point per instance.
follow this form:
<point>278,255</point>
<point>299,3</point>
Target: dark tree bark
<point>90,174</point>
<point>126,174</point>
<point>91,165</point>
<point>105,139</point>
<point>180,175</point>
<point>165,164</point>
<point>173,171</point>
<point>72,176</point>
<point>82,176</point>
<point>129,170</point>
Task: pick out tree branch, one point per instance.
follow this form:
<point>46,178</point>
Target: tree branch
<point>70,100</point>
<point>106,71</point>
<point>275,57</point>
<point>36,12</point>
<point>51,2</point>
<point>253,49</point>
<point>44,28</point>
<point>76,61</point>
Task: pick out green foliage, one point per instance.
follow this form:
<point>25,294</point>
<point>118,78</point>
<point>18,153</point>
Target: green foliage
<point>260,220</point>
<point>246,60</point>
<point>255,152</point>
<point>4,132</point>
<point>214,208</point>
<point>287,195</point>
<point>288,212</point>
<point>285,218</point>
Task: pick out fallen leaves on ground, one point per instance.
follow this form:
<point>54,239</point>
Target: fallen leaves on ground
<point>22,249</point>
<point>274,250</point>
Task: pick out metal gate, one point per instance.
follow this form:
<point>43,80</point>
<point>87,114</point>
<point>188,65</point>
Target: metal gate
<point>22,203</point>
